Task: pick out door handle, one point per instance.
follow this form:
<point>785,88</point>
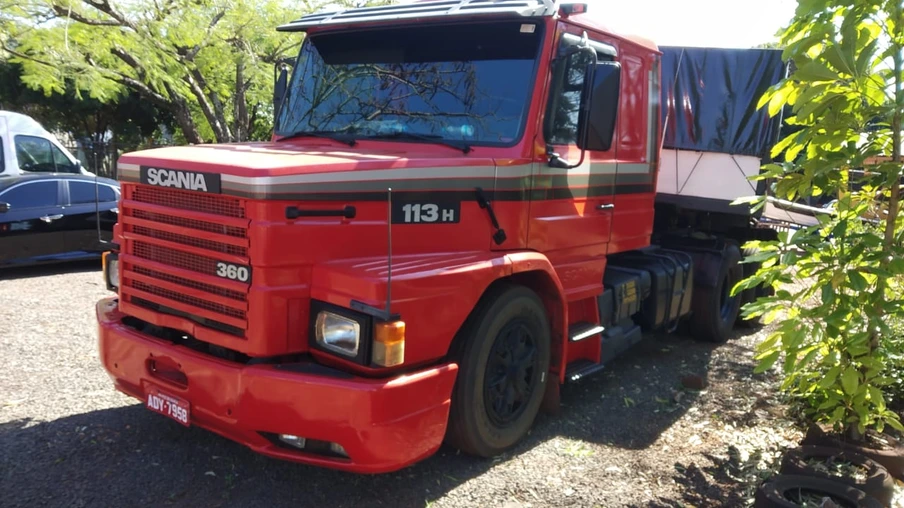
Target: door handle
<point>605,206</point>
<point>51,218</point>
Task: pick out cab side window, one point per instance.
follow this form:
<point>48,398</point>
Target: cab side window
<point>2,158</point>
<point>561,126</point>
<point>35,154</point>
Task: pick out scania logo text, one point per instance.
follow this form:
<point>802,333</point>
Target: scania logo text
<point>177,179</point>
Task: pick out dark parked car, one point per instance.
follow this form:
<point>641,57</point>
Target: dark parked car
<point>54,217</point>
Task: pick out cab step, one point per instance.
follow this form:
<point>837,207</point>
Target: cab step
<point>580,331</point>
<point>581,369</point>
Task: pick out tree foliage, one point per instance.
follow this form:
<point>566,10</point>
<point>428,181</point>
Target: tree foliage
<point>130,119</point>
<point>837,283</point>
<point>208,63</point>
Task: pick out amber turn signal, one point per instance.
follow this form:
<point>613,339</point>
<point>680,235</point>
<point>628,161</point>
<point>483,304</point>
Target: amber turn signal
<point>389,344</point>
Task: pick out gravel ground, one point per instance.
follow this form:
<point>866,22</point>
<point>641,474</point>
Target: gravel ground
<point>635,435</point>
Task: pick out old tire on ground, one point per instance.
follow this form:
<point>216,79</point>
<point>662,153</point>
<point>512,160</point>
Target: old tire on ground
<point>715,310</point>
<point>503,359</point>
<point>892,458</point>
<point>878,483</point>
<point>782,490</point>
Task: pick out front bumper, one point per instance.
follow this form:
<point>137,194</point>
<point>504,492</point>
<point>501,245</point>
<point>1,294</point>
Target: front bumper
<point>383,424</point>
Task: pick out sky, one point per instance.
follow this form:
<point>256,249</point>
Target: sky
<point>718,23</point>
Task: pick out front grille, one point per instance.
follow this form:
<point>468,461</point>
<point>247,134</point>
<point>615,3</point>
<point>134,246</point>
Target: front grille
<point>173,257</point>
<point>210,227</point>
<point>193,241</point>
<point>163,309</point>
<point>175,279</point>
<point>174,240</point>
<point>193,201</point>
<point>190,300</point>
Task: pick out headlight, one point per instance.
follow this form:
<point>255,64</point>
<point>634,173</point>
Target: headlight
<point>111,270</point>
<point>337,333</point>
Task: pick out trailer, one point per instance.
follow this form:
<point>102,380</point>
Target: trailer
<point>457,215</point>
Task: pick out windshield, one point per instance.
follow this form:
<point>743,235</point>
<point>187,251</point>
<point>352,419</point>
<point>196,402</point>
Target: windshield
<point>468,83</point>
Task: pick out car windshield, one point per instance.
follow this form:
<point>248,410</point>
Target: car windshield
<point>468,83</point>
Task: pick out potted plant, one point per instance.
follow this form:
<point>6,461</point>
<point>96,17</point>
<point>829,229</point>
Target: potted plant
<point>837,283</point>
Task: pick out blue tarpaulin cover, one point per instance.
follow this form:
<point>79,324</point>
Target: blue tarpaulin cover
<point>711,96</point>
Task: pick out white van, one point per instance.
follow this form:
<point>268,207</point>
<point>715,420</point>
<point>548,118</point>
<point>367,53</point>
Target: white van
<point>26,147</point>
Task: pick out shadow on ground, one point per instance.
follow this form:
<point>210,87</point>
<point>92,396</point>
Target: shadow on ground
<point>128,456</point>
<point>48,269</point>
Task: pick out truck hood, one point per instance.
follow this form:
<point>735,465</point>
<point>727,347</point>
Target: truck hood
<point>286,170</point>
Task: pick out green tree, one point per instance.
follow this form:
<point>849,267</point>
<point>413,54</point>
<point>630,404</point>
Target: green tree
<point>208,63</point>
<point>838,283</point>
<point>131,119</point>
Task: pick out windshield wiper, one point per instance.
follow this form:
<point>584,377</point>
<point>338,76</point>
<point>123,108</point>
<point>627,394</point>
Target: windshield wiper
<point>433,138</point>
<point>341,137</point>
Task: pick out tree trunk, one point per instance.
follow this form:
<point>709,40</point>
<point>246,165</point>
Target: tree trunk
<point>178,106</point>
<point>220,131</point>
<point>894,198</point>
<point>242,126</point>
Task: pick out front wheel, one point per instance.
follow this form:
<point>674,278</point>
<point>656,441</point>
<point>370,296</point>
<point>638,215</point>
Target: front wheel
<point>503,362</point>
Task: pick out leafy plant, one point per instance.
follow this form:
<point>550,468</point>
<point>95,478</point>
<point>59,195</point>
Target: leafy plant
<point>833,296</point>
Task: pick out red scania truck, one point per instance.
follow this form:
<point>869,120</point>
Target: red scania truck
<point>457,214</point>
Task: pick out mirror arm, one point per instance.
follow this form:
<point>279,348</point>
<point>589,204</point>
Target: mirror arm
<point>556,160</point>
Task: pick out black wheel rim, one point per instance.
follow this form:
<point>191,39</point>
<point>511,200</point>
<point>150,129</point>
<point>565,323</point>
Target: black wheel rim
<point>509,378</point>
<point>726,302</point>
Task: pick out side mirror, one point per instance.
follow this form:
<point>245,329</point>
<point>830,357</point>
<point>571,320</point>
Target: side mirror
<point>599,106</point>
<point>77,167</point>
<point>280,86</point>
<point>4,207</point>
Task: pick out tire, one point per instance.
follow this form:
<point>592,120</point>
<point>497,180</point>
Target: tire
<point>891,459</point>
<point>715,311</point>
<point>480,422</point>
<point>878,483</point>
<point>780,491</point>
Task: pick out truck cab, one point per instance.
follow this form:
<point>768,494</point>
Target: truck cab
<point>27,147</point>
<point>455,217</point>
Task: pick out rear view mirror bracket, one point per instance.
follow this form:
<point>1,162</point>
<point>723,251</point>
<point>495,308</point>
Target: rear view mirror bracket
<point>280,85</point>
<point>556,160</point>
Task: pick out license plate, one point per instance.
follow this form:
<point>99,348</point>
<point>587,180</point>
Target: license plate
<point>168,405</point>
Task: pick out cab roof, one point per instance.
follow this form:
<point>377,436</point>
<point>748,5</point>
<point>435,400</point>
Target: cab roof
<point>427,9</point>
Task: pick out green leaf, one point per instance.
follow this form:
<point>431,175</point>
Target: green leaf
<point>815,70</point>
<point>894,423</point>
<point>830,377</point>
<point>838,414</point>
<point>858,282</point>
<point>779,99</point>
<point>850,380</point>
<point>767,362</point>
<point>875,395</point>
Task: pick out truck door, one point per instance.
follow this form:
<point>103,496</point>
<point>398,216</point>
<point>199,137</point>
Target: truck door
<point>571,209</point>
